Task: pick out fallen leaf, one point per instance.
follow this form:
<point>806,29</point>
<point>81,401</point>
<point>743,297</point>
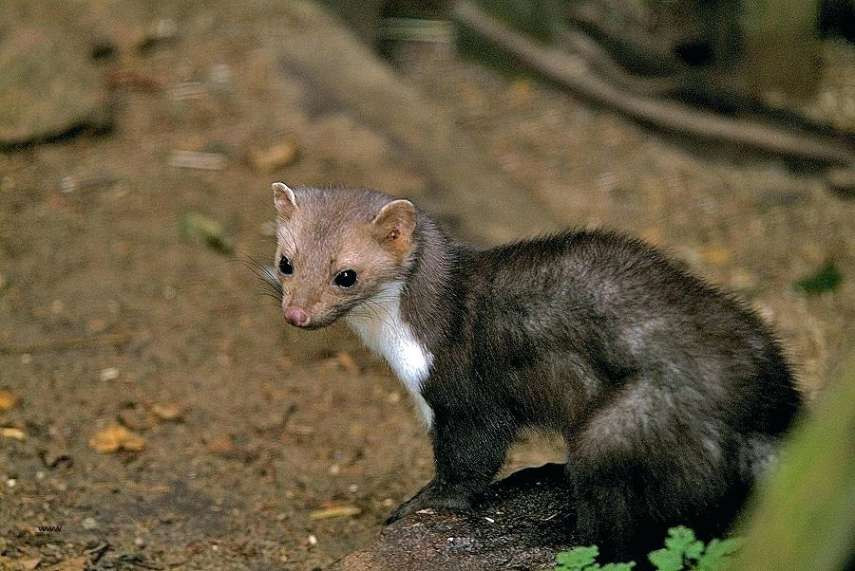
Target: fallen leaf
<point>207,230</point>
<point>346,362</point>
<point>135,418</point>
<point>334,512</point>
<point>55,455</point>
<point>7,400</point>
<point>715,255</point>
<point>115,438</point>
<point>167,411</point>
<point>274,157</point>
<point>73,564</point>
<point>222,445</point>
<point>520,91</point>
<point>96,326</point>
<point>16,433</point>
<point>23,564</point>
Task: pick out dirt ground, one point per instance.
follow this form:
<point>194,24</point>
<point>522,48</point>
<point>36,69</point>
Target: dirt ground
<point>251,431</point>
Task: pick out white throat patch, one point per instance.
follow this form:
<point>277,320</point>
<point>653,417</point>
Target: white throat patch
<point>379,324</point>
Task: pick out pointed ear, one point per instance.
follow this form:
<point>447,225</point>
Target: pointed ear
<point>284,200</point>
<point>394,225</point>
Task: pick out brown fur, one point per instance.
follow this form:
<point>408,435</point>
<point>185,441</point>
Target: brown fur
<point>364,232</point>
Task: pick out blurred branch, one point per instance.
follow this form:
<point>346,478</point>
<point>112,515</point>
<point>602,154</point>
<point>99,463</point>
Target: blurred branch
<point>574,74</point>
<point>596,56</point>
<point>694,87</point>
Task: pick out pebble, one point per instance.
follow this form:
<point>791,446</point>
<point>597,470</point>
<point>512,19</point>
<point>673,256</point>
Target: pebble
<point>90,523</point>
<point>313,541</point>
<point>221,76</point>
<point>139,542</point>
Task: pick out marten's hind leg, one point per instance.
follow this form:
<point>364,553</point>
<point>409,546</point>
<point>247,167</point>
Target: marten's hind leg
<point>639,466</point>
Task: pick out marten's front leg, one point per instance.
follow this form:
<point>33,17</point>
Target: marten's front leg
<point>469,448</point>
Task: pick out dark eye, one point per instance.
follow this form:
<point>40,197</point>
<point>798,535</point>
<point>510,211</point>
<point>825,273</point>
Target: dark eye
<point>285,266</point>
<point>345,279</point>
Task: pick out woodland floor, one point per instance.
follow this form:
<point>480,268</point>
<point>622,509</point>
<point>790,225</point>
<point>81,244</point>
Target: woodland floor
<point>109,317</point>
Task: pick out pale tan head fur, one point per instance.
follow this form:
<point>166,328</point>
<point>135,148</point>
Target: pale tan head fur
<point>323,232</point>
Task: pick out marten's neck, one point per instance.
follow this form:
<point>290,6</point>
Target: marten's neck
<point>409,319</point>
<point>431,296</point>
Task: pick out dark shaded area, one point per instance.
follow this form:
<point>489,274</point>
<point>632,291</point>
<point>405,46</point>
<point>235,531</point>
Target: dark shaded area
<point>521,523</point>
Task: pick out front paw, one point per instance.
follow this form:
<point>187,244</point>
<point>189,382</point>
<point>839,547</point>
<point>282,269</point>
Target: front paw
<point>431,498</point>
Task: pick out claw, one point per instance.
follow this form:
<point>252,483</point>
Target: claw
<point>429,498</point>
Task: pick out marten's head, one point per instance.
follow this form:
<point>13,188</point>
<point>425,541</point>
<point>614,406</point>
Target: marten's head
<point>337,248</point>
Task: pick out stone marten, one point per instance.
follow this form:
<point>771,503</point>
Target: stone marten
<point>671,395</point>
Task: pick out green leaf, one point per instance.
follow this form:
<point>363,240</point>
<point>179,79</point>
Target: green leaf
<point>666,559</point>
<point>718,553</point>
<point>618,566</point>
<point>679,539</point>
<point>694,550</point>
<point>577,559</point>
<point>199,227</point>
<point>827,278</point>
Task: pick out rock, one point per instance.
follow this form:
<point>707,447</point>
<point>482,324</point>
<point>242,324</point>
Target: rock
<point>49,88</point>
<point>521,523</point>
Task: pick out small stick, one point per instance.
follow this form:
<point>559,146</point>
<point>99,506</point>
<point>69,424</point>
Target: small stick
<point>66,344</point>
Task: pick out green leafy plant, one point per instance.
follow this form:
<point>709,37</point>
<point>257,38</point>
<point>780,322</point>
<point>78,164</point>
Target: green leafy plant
<point>682,552</point>
<point>585,559</point>
<point>825,279</point>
